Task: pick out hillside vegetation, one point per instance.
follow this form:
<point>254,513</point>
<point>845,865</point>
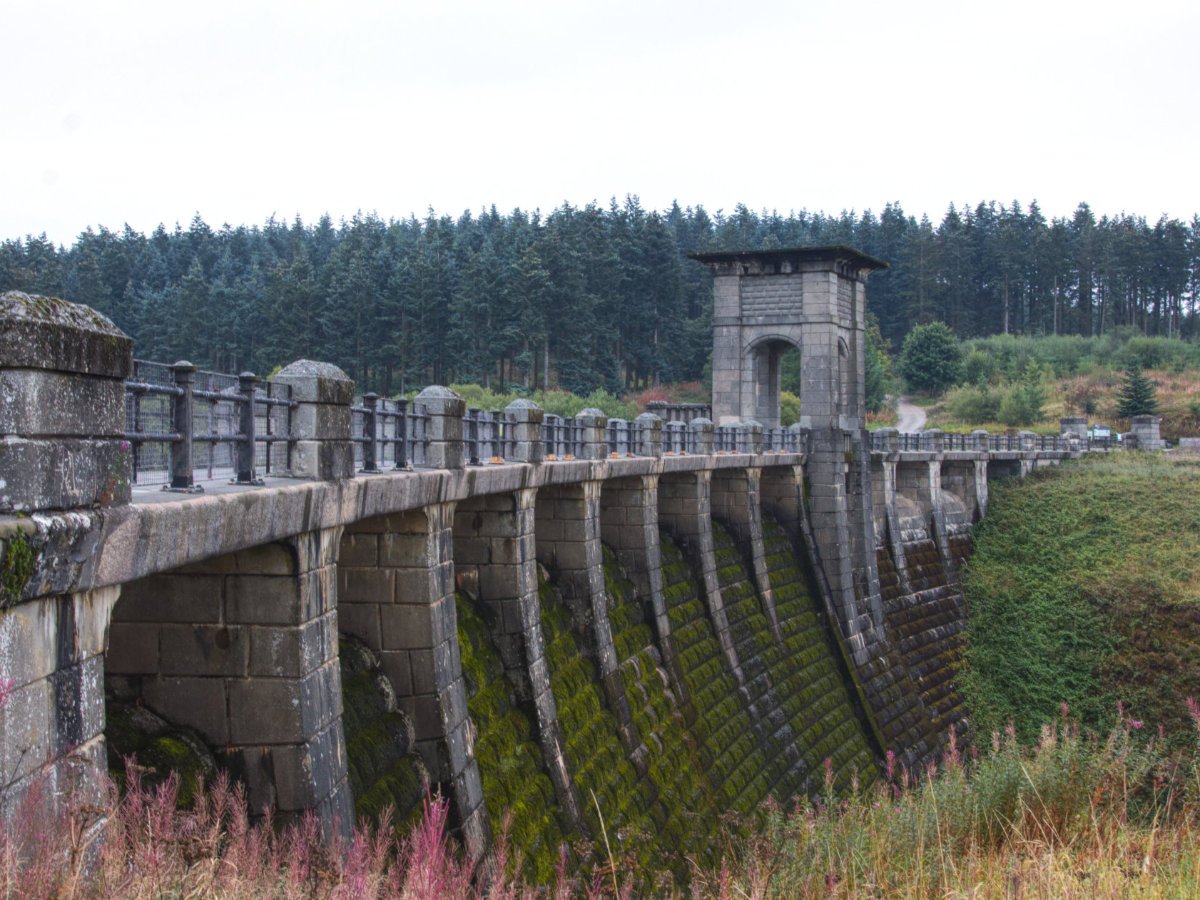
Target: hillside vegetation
<point>1084,588</point>
<point>599,296</point>
<point>1005,381</point>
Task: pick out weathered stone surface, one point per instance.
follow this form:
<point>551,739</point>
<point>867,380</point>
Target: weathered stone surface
<point>47,333</point>
<point>62,473</point>
<point>37,403</point>
<point>323,460</point>
<point>317,382</point>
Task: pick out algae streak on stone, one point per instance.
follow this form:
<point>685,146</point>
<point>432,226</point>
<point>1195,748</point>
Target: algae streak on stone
<point>384,768</point>
<point>734,757</point>
<point>685,813</point>
<point>510,762</point>
<point>595,755</point>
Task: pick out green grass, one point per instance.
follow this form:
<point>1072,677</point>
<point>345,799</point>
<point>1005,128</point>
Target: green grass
<point>1084,588</point>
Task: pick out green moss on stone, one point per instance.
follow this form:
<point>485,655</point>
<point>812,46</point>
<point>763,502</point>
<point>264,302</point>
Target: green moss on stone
<point>815,699</point>
<point>384,768</point>
<point>515,785</point>
<point>16,568</point>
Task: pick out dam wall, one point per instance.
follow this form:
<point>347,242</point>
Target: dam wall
<point>560,623</point>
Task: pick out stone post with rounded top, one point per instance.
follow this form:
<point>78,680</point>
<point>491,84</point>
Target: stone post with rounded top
<point>525,419</point>
<point>593,434</point>
<point>649,435</point>
<point>62,406</point>
<point>321,421</point>
<point>445,409</point>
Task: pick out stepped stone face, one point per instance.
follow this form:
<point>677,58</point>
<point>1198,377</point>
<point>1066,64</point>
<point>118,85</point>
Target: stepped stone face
<point>62,406</point>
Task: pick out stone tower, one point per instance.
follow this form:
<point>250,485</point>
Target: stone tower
<point>766,302</point>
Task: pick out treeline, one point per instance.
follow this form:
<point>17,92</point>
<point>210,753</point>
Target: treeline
<point>589,297</point>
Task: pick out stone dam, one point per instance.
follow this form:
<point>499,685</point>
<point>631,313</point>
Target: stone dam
<point>651,622</point>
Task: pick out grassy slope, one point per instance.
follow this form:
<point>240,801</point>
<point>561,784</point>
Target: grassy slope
<point>1085,588</point>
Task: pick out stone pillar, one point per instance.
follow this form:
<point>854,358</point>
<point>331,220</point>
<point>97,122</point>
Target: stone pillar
<point>737,503</point>
<point>62,406</point>
<point>750,437</point>
<point>52,724</point>
<point>593,434</point>
<point>629,524</point>
<point>243,648</point>
<point>568,542</point>
<point>649,435</point>
<point>62,420</point>
<point>685,509</point>
<point>701,434</point>
<point>495,557</point>
<point>727,346</point>
<point>1076,425</point>
<point>396,580</point>
<point>446,410</point>
<point>889,438</point>
<point>528,443</point>
<point>981,439</point>
<point>1145,429</point>
<point>321,421</point>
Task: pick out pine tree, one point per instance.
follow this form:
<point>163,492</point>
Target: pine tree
<point>1137,394</point>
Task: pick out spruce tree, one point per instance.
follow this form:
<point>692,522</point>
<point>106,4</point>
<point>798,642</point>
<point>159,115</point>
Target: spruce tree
<point>1137,394</point>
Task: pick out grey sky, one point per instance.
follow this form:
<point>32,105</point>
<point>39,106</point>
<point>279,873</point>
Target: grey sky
<point>151,112</point>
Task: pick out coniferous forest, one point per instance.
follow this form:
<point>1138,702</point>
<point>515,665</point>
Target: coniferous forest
<point>588,297</point>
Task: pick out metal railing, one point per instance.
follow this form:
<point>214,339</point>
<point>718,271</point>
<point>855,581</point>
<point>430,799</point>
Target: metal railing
<point>185,425</point>
<point>488,436</point>
<point>624,438</point>
<point>676,439</point>
<point>562,437</point>
<point>388,434</point>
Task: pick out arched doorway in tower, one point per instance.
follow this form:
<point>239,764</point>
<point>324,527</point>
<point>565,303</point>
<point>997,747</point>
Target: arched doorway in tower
<point>774,364</point>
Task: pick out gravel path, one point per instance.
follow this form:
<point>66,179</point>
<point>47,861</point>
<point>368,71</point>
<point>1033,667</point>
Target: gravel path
<point>912,417</point>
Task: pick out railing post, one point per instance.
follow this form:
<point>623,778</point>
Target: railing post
<point>445,430</point>
<point>700,431</point>
<point>321,425</point>
<point>889,438</point>
<point>750,437</point>
<point>247,382</point>
<point>498,435</point>
<point>980,436</point>
<point>593,434</point>
<point>472,423</point>
<point>402,433</point>
<point>182,478</point>
<point>370,430</point>
<point>649,435</point>
<point>797,438</point>
<point>527,439</point>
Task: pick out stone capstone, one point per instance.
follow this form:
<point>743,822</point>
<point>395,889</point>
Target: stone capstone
<point>317,382</point>
<point>48,333</point>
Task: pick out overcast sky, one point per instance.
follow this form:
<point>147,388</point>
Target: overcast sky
<point>152,112</point>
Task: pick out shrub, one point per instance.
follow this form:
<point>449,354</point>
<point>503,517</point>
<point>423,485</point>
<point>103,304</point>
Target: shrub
<point>973,405</point>
<point>931,360</point>
<point>978,368</point>
<point>789,408</point>
<point>1022,404</point>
